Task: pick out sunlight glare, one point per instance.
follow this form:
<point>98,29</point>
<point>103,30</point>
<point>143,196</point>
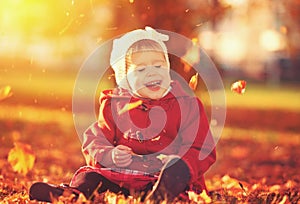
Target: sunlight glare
<point>232,48</point>
<point>271,40</point>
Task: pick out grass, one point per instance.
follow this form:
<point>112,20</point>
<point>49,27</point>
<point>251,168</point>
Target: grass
<point>57,87</point>
<point>261,96</point>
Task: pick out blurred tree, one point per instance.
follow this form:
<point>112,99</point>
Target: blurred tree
<point>287,23</point>
<point>180,16</point>
<point>291,27</point>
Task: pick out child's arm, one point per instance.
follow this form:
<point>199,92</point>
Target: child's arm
<point>194,145</point>
<point>98,139</point>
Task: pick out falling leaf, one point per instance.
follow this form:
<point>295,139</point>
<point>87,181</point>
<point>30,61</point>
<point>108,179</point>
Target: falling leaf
<point>5,92</point>
<point>21,158</point>
<point>130,106</point>
<point>239,87</point>
<point>194,81</point>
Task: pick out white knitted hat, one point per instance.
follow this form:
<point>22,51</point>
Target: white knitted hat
<point>122,44</point>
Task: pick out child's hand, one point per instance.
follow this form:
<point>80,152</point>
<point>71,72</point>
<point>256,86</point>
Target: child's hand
<point>121,156</point>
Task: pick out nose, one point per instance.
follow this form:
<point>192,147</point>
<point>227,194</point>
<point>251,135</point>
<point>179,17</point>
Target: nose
<point>151,71</point>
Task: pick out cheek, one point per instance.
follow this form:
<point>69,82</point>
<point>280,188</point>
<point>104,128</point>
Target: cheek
<point>135,80</point>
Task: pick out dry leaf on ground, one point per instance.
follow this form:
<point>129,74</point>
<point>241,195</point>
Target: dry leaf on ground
<point>21,158</point>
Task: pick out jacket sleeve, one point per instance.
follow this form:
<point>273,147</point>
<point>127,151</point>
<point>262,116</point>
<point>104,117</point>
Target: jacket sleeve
<point>197,140</point>
<point>98,139</point>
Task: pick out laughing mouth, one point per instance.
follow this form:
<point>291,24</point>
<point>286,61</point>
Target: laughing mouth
<point>153,83</point>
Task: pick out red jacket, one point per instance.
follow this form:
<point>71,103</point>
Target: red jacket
<point>173,125</point>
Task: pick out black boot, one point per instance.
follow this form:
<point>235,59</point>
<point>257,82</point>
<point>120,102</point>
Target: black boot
<point>46,192</point>
<point>172,181</point>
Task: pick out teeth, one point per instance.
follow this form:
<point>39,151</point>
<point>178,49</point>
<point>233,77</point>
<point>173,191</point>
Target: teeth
<point>153,83</point>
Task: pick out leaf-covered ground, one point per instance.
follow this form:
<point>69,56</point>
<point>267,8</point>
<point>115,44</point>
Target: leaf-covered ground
<point>258,164</point>
<point>258,153</point>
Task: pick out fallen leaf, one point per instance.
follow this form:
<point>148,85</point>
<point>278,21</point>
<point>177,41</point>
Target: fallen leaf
<point>199,198</point>
<point>229,182</point>
<point>284,199</point>
<point>130,106</point>
<point>194,81</point>
<point>275,188</point>
<point>205,197</point>
<point>21,158</point>
<point>5,92</point>
<point>239,87</point>
<point>290,184</point>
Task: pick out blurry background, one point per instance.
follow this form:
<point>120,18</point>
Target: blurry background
<point>43,44</point>
<point>259,39</point>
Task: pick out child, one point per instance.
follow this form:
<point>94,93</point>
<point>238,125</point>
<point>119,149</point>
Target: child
<point>150,133</point>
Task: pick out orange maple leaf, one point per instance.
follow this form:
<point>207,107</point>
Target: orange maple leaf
<point>194,82</point>
<point>21,158</point>
<point>239,86</point>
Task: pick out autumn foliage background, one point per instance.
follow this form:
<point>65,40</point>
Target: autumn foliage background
<point>44,43</point>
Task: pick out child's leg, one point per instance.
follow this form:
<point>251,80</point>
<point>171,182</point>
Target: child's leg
<point>91,182</point>
<point>87,183</point>
<point>172,181</point>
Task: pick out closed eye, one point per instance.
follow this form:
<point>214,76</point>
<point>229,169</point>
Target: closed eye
<point>141,69</point>
<point>157,66</point>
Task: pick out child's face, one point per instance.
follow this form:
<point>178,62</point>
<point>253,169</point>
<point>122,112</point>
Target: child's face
<point>148,75</point>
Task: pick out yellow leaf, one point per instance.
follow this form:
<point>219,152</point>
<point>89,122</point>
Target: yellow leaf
<point>194,82</point>
<point>21,158</point>
<point>121,200</point>
<point>5,92</point>
<point>205,197</point>
<point>284,199</point>
<point>130,106</point>
<point>199,198</point>
<point>110,197</point>
<point>81,199</point>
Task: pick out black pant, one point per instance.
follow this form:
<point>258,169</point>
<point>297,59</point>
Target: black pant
<point>91,182</point>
